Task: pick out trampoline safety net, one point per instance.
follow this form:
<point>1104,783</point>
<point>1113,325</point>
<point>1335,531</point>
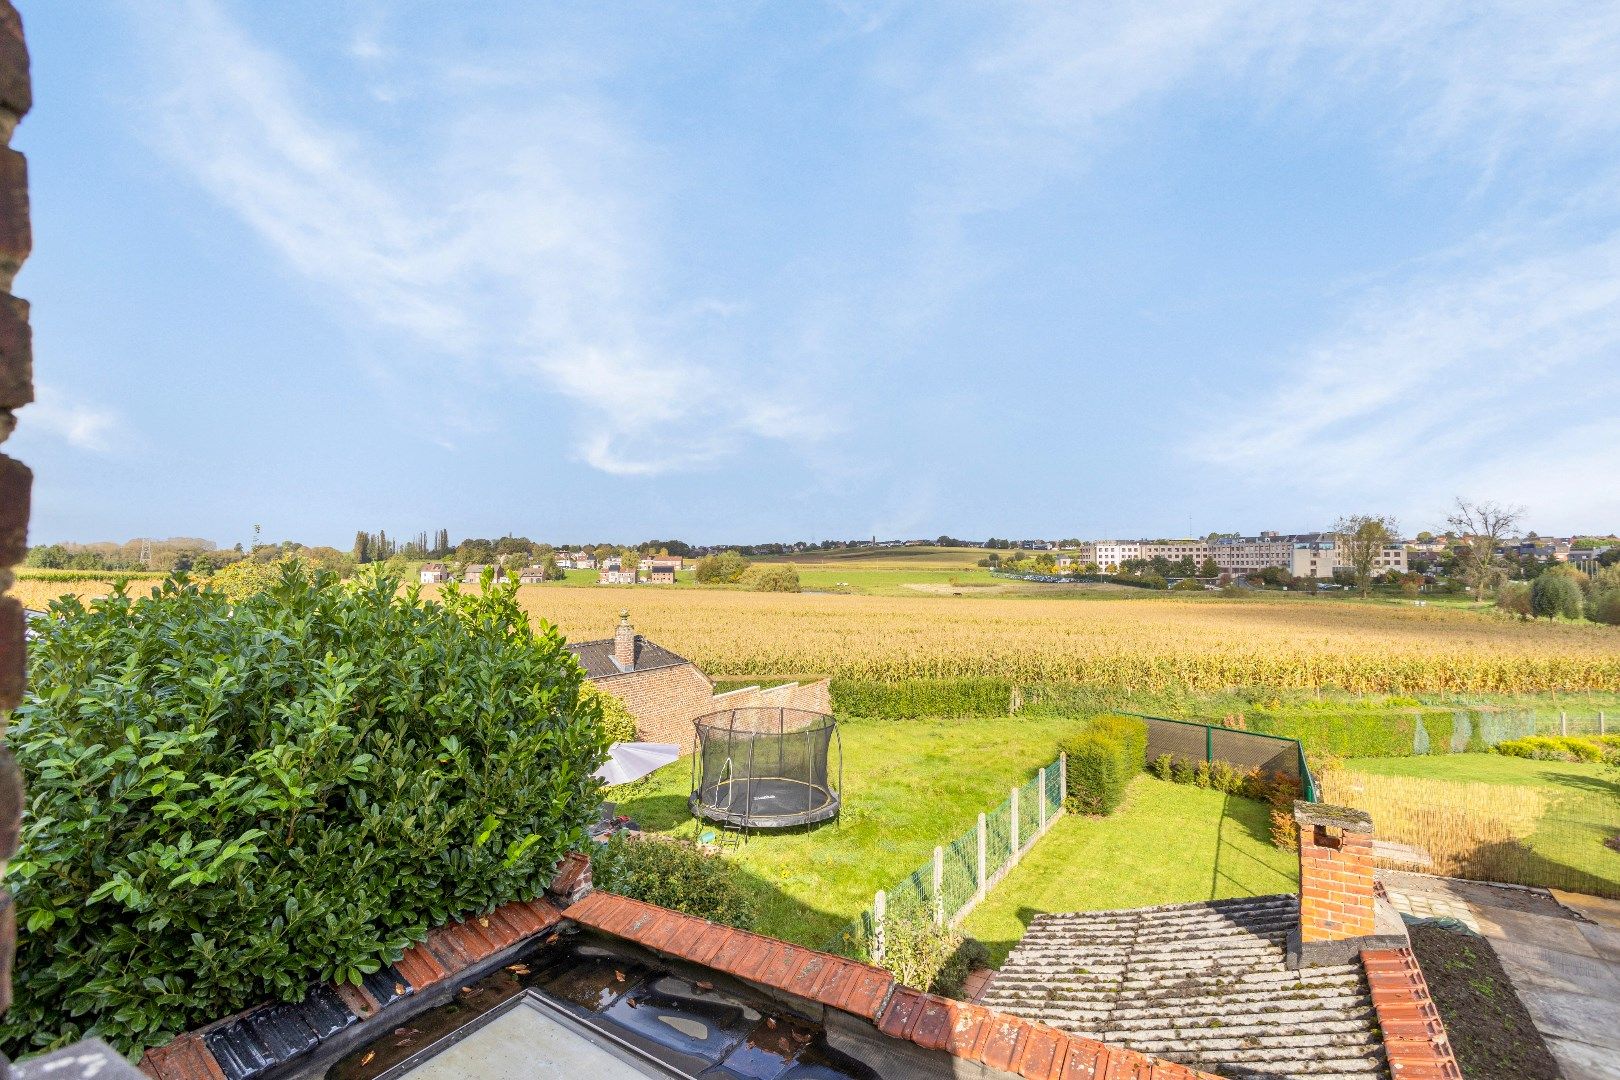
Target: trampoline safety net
<point>766,768</point>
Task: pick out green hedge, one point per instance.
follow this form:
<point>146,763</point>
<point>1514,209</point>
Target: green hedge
<point>1102,761</point>
<point>676,874</point>
<point>1373,734</point>
<point>908,699</point>
<point>229,802</point>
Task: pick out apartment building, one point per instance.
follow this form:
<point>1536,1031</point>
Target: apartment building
<point>1320,556</point>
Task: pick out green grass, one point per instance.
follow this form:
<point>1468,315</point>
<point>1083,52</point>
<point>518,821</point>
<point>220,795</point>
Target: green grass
<point>1169,844</point>
<point>1559,776</point>
<point>908,785</point>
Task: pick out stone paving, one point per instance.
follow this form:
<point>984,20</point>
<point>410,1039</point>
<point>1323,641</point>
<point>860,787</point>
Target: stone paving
<point>1562,953</point>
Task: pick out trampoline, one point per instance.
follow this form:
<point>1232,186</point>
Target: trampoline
<point>766,768</point>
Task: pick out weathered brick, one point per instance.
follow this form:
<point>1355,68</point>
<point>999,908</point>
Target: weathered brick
<point>16,483</point>
<point>16,90</point>
<point>13,668</point>
<point>16,232</point>
<point>16,353</point>
<point>11,803</point>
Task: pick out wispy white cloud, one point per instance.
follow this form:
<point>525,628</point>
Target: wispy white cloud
<point>1480,368</point>
<point>1475,373</point>
<point>61,415</point>
<point>509,244</point>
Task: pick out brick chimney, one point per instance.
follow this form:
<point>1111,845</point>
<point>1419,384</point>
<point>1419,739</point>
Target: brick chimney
<point>624,643</point>
<point>1339,915</point>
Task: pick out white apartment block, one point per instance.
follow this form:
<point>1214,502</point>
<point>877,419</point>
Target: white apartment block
<point>1319,558</point>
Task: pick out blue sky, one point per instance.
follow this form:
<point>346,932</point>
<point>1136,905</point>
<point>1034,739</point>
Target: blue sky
<point>756,271</point>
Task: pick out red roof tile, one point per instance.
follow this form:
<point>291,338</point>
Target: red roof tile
<point>971,1032</point>
<point>1415,1039</point>
<point>184,1058</point>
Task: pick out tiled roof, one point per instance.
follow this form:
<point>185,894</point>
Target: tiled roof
<point>597,657</point>
<point>999,1041</point>
<point>266,1038</point>
<point>1204,984</point>
<point>1414,1036</point>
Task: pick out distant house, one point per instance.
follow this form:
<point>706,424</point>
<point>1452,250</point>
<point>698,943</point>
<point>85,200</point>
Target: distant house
<point>475,573</point>
<point>616,577</point>
<point>612,562</point>
<point>434,573</point>
<point>665,692</point>
<point>661,571</point>
<point>583,560</point>
<point>532,575</point>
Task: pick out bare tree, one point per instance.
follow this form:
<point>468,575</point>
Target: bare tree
<point>1361,539</point>
<point>1481,528</point>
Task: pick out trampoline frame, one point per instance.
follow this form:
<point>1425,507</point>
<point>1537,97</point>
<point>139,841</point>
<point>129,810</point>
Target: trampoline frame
<point>747,819</point>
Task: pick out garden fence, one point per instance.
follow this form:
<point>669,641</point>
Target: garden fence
<point>1187,740</point>
<point>949,885</point>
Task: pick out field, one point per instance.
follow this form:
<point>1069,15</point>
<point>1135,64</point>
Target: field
<point>1494,818</point>
<point>1168,844</point>
<point>935,617</point>
<point>1139,644</point>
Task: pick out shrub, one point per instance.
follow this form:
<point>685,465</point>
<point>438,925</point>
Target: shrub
<point>1558,747</point>
<point>618,725</point>
<point>1556,595</point>
<point>1102,761</point>
<point>230,802</point>
<point>911,699</point>
<point>1162,766</point>
<point>726,568</point>
<point>925,956</point>
<point>1514,598</point>
<point>776,577</point>
<point>676,874</point>
<point>1188,585</point>
<point>1606,607</point>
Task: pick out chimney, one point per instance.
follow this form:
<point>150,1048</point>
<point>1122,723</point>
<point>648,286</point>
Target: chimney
<point>624,643</point>
<point>1339,913</point>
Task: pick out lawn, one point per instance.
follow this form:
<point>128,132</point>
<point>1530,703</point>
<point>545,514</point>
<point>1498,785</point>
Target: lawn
<point>1168,844</point>
<point>908,785</point>
<point>1494,817</point>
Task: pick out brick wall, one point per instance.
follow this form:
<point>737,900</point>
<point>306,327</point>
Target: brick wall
<point>16,390</point>
<point>1335,873</point>
<point>813,697</point>
<point>664,701</point>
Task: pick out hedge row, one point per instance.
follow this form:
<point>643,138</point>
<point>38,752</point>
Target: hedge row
<point>909,699</point>
<point>1102,761</point>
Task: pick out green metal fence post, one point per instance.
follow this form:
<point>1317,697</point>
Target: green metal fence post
<point>1209,743</point>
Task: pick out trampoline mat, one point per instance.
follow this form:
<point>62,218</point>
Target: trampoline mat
<point>766,801</point>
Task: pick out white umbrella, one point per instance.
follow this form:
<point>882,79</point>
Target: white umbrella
<point>629,761</point>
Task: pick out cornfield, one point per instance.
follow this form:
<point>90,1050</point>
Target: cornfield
<point>1139,645</point>
<point>1490,832</point>
<point>1144,645</point>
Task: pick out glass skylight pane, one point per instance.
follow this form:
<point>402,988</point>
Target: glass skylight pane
<point>525,1042</point>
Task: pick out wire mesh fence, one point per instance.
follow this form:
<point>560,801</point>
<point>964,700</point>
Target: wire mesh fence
<point>949,885</point>
<point>1185,740</point>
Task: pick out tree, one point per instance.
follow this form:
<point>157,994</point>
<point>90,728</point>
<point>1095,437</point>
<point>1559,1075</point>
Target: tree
<point>1557,593</point>
<point>1480,529</point>
<point>726,568</point>
<point>775,577</point>
<point>550,571</point>
<point>1361,538</point>
<point>1209,568</point>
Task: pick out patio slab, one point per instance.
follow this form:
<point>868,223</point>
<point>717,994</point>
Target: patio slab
<point>1562,951</point>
